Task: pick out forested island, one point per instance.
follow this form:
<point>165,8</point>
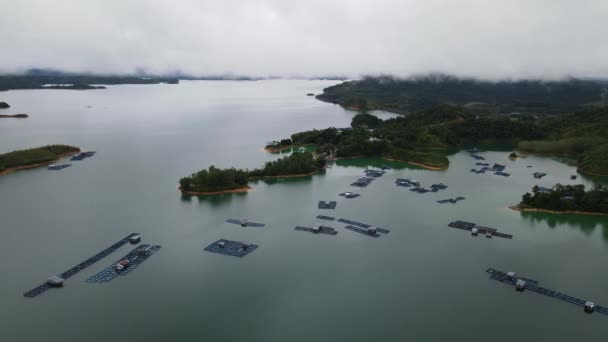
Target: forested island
<point>481,97</point>
<point>17,116</point>
<point>214,181</point>
<point>4,105</point>
<point>47,79</point>
<point>566,199</point>
<point>34,157</point>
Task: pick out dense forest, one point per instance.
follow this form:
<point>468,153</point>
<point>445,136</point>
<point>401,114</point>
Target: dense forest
<point>45,154</point>
<point>215,179</point>
<point>418,137</point>
<point>420,93</point>
<point>567,198</point>
<point>37,80</point>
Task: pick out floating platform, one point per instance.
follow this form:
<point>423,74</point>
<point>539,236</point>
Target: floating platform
<point>406,183</point>
<point>363,225</point>
<point>477,156</point>
<point>83,155</point>
<point>385,167</point>
<point>232,248</point>
<point>522,284</point>
<point>245,223</point>
<point>318,230</point>
<point>363,182</point>
<point>539,175</point>
<point>475,229</point>
<point>349,195</point>
<point>498,167</point>
<point>482,164</point>
<point>327,205</point>
<point>374,173</point>
<point>420,190</point>
<point>500,173</point>
<point>58,167</point>
<point>327,218</point>
<point>452,200</point>
<point>136,257</point>
<point>74,270</point>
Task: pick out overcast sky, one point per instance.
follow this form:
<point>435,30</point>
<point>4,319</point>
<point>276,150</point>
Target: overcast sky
<point>481,38</point>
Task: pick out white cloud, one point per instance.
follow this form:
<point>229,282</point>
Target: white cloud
<point>483,38</point>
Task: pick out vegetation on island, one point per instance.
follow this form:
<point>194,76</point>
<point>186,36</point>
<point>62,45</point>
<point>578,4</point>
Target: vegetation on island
<point>34,156</point>
<point>217,180</point>
<point>4,105</point>
<point>567,198</point>
<point>280,144</point>
<point>425,92</point>
<point>48,79</point>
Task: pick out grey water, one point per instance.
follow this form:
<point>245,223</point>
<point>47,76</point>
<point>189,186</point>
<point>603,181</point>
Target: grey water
<point>422,281</point>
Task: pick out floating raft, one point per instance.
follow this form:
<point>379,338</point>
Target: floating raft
<point>349,195</point>
<point>539,174</point>
<point>83,155</point>
<point>374,173</point>
<point>363,182</point>
<point>327,205</point>
<point>58,167</point>
<point>74,270</point>
<point>452,200</point>
<point>477,156</point>
<point>522,284</point>
<point>233,248</point>
<point>479,229</point>
<point>246,223</point>
<point>318,230</point>
<point>406,183</point>
<point>500,173</point>
<point>136,257</point>
<point>482,164</point>
<point>323,217</point>
<point>363,231</point>
<point>363,225</point>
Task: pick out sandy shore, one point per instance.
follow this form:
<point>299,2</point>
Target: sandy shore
<point>13,169</point>
<point>428,167</point>
<point>194,193</point>
<point>516,208</point>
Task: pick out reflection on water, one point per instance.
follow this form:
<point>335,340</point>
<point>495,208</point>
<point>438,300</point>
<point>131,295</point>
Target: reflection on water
<point>585,223</point>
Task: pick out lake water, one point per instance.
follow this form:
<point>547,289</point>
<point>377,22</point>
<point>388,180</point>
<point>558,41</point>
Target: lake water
<point>423,281</point>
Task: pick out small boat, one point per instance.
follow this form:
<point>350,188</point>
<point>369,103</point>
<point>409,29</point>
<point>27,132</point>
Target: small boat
<point>58,167</point>
<point>121,265</point>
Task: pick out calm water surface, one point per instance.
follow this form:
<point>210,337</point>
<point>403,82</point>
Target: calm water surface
<point>423,281</point>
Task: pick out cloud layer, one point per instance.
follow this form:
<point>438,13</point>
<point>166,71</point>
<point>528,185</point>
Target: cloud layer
<point>481,38</point>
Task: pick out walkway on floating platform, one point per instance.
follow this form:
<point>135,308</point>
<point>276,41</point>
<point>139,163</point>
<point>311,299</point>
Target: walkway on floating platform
<point>136,257</point>
<point>533,286</point>
<point>480,229</point>
<point>452,200</point>
<point>232,248</point>
<point>248,224</point>
<point>74,270</point>
<point>363,182</point>
<point>322,230</point>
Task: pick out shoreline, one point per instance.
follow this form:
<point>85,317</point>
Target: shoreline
<point>32,166</point>
<point>572,212</point>
<point>428,167</point>
<point>591,173</point>
<point>578,168</point>
<point>204,193</point>
<point>279,149</point>
<point>288,176</point>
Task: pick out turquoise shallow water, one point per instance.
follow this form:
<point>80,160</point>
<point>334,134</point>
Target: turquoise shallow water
<point>421,281</point>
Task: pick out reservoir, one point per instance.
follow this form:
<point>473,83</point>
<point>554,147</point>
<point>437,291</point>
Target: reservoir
<point>422,281</point>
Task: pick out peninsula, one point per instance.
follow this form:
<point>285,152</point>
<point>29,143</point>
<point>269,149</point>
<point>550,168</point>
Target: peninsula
<point>569,199</point>
<point>216,181</point>
<point>26,159</point>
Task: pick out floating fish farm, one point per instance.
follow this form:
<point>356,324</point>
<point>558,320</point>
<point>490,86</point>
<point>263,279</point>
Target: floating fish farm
<point>433,188</point>
<point>363,228</point>
<point>126,264</point>
<point>477,156</point>
<point>245,223</point>
<point>451,200</point>
<point>406,183</point>
<point>374,173</point>
<point>327,218</point>
<point>386,167</point>
<point>349,195</point>
<point>232,248</point>
<point>327,205</point>
<point>522,284</point>
<point>482,164</point>
<point>475,229</point>
<point>83,155</point>
<point>318,230</point>
<point>58,280</point>
<point>539,175</point>
<point>58,167</point>
<point>363,182</point>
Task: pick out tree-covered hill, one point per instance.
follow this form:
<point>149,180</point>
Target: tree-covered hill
<point>415,94</point>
